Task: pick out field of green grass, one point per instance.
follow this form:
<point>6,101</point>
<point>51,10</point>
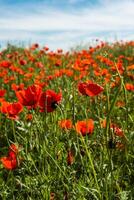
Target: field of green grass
<point>67,123</point>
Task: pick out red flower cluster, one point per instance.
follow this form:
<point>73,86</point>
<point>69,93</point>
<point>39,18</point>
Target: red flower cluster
<point>10,161</point>
<point>11,109</point>
<point>34,97</point>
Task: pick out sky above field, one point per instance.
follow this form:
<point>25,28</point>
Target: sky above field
<point>65,23</point>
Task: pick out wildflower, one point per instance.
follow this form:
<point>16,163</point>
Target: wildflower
<point>34,46</point>
<point>11,109</point>
<point>30,96</point>
<point>49,101</point>
<point>5,64</point>
<point>29,117</point>
<point>22,62</point>
<point>120,146</point>
<point>17,87</point>
<point>46,48</point>
<point>65,124</point>
<point>120,104</point>
<point>131,67</point>
<point>13,148</point>
<point>82,88</point>
<point>10,161</point>
<point>93,89</point>
<point>85,127</point>
<point>90,89</point>
<point>58,63</point>
<point>39,65</point>
<point>116,130</point>
<point>129,87</point>
<point>59,51</point>
<point>2,93</point>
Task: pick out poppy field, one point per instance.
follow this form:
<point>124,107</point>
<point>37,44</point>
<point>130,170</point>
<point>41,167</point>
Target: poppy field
<point>67,123</point>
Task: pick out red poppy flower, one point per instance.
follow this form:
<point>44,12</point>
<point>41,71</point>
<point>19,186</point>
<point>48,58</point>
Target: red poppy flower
<point>93,89</point>
<point>5,63</point>
<point>39,65</point>
<point>13,148</point>
<point>49,101</point>
<point>82,88</point>
<point>129,87</point>
<point>46,48</point>
<point>130,67</point>
<point>120,146</point>
<point>11,109</point>
<point>23,62</point>
<point>90,89</point>
<point>2,93</point>
<point>10,162</point>
<point>17,87</point>
<point>117,131</point>
<point>59,51</point>
<point>120,104</point>
<point>30,96</point>
<point>85,127</point>
<point>34,46</point>
<point>29,117</point>
<point>65,124</point>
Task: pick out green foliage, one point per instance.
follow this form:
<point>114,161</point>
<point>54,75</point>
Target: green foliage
<point>103,162</point>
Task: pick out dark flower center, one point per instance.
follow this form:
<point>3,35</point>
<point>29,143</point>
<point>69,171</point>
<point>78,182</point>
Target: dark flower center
<point>54,104</point>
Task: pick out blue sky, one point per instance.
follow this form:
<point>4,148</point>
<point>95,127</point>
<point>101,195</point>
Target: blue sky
<point>65,23</point>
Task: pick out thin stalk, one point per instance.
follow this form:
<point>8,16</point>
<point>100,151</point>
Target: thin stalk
<point>73,106</point>
<point>56,164</point>
<point>92,166</point>
<point>13,128</point>
<point>110,111</point>
<point>125,96</point>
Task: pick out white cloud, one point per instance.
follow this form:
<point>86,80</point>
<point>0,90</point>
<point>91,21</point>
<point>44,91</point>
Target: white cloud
<point>32,23</point>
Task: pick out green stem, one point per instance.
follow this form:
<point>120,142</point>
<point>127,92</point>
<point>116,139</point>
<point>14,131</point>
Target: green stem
<point>92,166</point>
<point>110,111</point>
<point>13,128</point>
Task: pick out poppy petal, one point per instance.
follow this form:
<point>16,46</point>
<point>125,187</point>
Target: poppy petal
<point>93,89</point>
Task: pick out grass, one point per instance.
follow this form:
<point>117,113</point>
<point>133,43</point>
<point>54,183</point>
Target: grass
<point>58,163</point>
